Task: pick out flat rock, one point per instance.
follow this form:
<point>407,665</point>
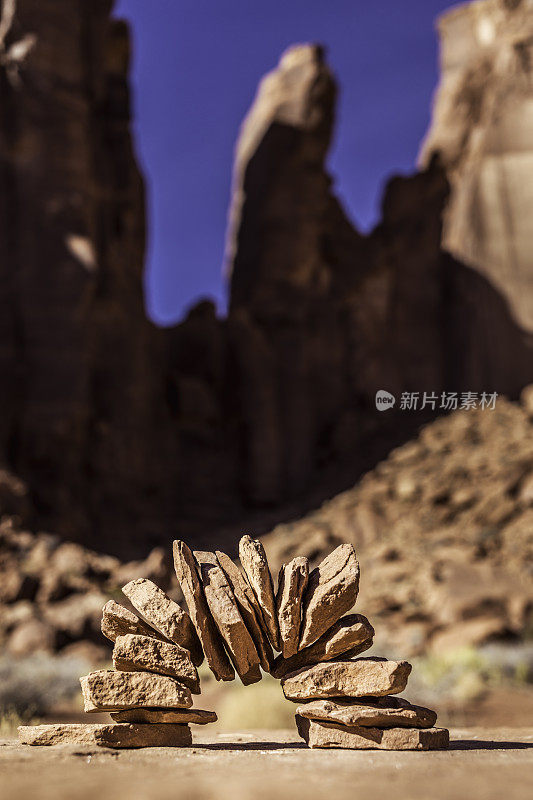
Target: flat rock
<point>249,608</point>
<point>106,690</point>
<point>383,712</point>
<point>348,637</point>
<point>179,716</point>
<point>328,734</point>
<point>254,562</point>
<point>331,592</point>
<point>142,654</point>
<point>292,581</point>
<point>164,615</point>
<point>362,677</point>
<point>191,586</point>
<point>225,612</point>
<point>119,621</point>
<point>119,736</point>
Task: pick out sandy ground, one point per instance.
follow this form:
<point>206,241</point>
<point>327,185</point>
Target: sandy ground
<point>481,763</point>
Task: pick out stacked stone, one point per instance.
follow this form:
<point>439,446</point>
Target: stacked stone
<point>149,692</point>
<point>346,700</point>
<point>239,621</point>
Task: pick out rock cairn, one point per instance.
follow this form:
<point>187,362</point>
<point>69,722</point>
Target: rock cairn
<point>237,621</point>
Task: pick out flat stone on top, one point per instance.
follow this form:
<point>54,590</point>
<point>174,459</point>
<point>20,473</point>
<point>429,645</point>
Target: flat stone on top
<point>180,716</point>
<point>105,735</point>
<point>164,615</point>
<point>362,677</point>
<point>249,608</point>
<point>254,563</point>
<point>348,637</point>
<point>191,586</point>
<point>225,612</point>
<point>331,592</point>
<point>292,581</point>
<point>142,654</point>
<point>326,734</point>
<point>106,690</point>
<point>381,712</point>
<point>118,621</point>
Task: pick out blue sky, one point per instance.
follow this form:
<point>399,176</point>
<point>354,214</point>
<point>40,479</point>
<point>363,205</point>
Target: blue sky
<point>195,70</point>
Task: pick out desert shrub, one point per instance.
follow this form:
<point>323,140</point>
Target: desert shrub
<point>31,686</point>
<point>466,673</point>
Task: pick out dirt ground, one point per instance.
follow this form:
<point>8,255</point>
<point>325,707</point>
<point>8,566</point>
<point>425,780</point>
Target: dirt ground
<point>481,763</point>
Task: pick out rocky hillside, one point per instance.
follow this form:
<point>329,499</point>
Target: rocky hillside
<point>52,592</point>
<point>443,529</point>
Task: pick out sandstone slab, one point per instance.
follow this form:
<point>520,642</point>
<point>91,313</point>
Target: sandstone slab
<point>254,562</point>
<point>326,734</point>
<point>164,615</point>
<point>348,637</point>
<point>142,654</point>
<point>331,592</point>
<point>381,712</point>
<point>179,716</point>
<point>119,621</point>
<point>223,607</point>
<point>114,691</point>
<point>118,735</point>
<point>249,608</point>
<point>362,677</point>
<point>292,581</point>
<point>191,586</point>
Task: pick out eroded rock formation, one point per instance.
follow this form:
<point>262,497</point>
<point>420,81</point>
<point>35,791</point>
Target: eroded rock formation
<point>125,434</point>
<point>483,128</point>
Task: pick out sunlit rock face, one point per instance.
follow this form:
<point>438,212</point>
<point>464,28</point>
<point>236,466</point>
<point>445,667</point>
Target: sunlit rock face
<point>483,129</point>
